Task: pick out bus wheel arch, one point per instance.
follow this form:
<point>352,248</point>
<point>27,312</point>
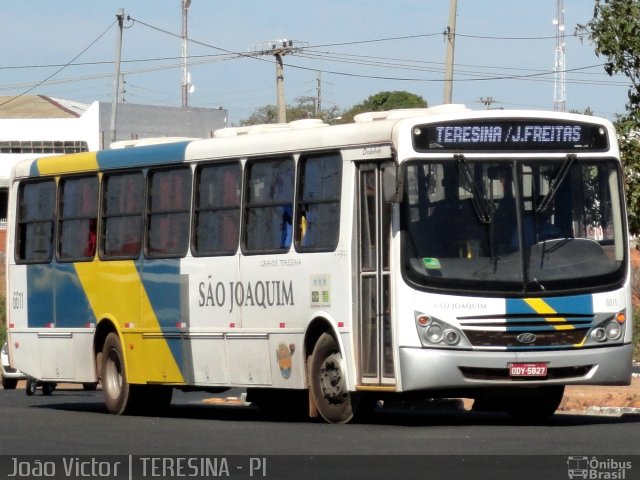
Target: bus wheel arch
<point>327,375</point>
<point>103,329</point>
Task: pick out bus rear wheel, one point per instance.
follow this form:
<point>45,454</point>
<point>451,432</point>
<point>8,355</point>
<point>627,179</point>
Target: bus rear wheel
<point>120,396</point>
<point>328,382</point>
<point>115,387</point>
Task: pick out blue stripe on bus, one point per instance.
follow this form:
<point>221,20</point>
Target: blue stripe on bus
<point>572,305</point>
<point>161,280</point>
<point>40,284</point>
<point>148,155</point>
<point>71,303</point>
<point>55,296</point>
<point>33,170</point>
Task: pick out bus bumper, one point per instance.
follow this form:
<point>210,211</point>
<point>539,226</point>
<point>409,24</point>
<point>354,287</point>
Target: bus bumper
<point>433,369</point>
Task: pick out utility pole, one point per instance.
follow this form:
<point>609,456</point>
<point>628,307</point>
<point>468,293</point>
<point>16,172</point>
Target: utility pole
<point>185,73</point>
<point>279,52</point>
<point>450,38</point>
<point>279,48</point>
<point>559,67</point>
<point>123,90</point>
<point>319,97</point>
<point>116,75</point>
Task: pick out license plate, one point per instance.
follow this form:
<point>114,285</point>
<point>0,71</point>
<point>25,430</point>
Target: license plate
<point>528,369</point>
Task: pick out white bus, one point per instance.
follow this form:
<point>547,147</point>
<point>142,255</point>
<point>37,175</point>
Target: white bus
<point>426,253</point>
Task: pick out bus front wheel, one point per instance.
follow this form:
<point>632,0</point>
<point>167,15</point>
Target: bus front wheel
<point>328,381</point>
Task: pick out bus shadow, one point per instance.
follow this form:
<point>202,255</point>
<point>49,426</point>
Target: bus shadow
<point>388,416</point>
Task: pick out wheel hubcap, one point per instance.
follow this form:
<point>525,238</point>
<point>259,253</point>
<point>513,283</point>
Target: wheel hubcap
<point>113,374</point>
<point>332,380</point>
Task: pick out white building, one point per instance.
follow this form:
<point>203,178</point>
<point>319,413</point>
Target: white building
<point>36,125</point>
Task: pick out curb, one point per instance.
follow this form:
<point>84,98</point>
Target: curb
<point>609,411</point>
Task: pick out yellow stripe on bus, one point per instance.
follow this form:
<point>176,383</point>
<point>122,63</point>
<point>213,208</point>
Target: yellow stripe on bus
<point>78,162</point>
<point>543,308</point>
<point>114,290</point>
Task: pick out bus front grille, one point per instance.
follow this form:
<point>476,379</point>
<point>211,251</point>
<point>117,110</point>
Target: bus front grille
<point>528,332</point>
<point>512,340</point>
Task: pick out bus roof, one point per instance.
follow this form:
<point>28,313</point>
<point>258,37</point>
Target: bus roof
<point>265,140</point>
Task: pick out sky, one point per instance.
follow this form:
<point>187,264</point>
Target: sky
<point>353,49</point>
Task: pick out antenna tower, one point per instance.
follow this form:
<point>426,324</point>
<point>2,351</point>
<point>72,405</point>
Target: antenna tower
<point>559,67</point>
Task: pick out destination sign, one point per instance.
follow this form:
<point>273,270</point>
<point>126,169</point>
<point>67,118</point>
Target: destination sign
<point>510,135</point>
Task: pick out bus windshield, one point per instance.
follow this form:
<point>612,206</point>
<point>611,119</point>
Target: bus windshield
<point>512,225</point>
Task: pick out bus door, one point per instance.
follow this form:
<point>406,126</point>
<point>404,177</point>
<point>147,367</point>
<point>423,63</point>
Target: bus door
<point>375,352</point>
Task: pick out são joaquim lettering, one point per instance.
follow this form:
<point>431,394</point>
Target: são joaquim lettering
<point>447,134</point>
<point>263,294</point>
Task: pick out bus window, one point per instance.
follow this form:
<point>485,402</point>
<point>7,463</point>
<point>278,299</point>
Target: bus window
<point>217,210</point>
<point>36,212</point>
<point>269,205</point>
<point>78,218</point>
<point>318,219</point>
<point>169,209</point>
<point>122,215</point>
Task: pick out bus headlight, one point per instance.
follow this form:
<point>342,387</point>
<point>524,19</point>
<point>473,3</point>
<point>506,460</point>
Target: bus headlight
<point>611,330</point>
<point>434,332</point>
<point>614,330</point>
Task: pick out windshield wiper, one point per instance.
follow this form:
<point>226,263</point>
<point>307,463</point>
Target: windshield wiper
<point>480,204</point>
<point>545,203</point>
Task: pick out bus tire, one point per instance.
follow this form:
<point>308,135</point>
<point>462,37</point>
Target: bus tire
<point>115,386</point>
<point>328,381</point>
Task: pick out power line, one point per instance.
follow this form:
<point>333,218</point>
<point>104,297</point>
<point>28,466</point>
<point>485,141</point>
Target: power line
<point>310,54</point>
<point>60,69</point>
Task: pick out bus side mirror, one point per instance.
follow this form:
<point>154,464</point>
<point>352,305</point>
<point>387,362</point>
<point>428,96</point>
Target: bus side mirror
<point>391,184</point>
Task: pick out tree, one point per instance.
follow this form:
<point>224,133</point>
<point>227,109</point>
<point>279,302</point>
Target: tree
<point>304,107</point>
<point>385,101</point>
<point>615,33</point>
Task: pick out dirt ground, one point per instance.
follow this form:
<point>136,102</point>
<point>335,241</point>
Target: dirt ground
<point>582,397</point>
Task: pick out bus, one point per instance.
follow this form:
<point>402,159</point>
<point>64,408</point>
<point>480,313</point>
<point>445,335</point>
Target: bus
<point>411,254</point>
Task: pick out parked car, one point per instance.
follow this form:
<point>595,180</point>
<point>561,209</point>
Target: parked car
<point>10,375</point>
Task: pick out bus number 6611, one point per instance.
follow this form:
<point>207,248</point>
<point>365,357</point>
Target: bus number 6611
<point>18,300</point>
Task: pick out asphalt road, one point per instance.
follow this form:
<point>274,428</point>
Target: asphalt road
<point>75,423</point>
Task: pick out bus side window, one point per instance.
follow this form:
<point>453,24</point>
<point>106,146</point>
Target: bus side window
<point>217,209</point>
<point>122,215</point>
<point>78,218</point>
<point>169,212</point>
<point>36,212</point>
<point>269,205</point>
<point>318,220</point>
